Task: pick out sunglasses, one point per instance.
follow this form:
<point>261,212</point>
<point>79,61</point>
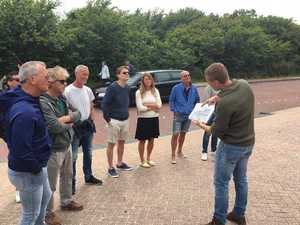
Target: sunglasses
<point>63,82</point>
<point>14,79</point>
<point>125,73</point>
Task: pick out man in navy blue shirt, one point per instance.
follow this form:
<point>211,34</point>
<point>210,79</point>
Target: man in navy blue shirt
<point>28,141</point>
<point>115,112</point>
<point>182,101</point>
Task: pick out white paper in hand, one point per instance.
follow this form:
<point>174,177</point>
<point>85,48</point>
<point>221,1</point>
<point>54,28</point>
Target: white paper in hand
<point>202,113</point>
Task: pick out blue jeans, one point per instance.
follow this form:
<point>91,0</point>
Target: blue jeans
<point>35,194</point>
<point>214,142</point>
<point>86,143</point>
<point>231,160</point>
<point>206,136</point>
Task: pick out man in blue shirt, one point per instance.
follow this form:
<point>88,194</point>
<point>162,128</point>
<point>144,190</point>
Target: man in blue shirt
<point>182,101</point>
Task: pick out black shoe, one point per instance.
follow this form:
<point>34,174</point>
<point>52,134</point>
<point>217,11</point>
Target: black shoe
<point>240,220</point>
<point>215,222</point>
<point>124,167</point>
<point>93,180</point>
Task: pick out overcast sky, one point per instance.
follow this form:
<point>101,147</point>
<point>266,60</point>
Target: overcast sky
<point>283,8</point>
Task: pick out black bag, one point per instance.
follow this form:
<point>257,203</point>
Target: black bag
<point>83,127</point>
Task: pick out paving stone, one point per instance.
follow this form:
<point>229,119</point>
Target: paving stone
<point>183,194</point>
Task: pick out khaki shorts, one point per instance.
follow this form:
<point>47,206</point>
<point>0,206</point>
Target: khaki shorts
<point>117,130</point>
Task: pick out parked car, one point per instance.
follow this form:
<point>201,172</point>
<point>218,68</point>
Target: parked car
<point>164,81</point>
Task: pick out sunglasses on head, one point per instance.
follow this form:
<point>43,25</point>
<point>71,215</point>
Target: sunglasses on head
<point>64,82</point>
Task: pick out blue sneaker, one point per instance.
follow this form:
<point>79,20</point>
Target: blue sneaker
<point>112,172</point>
<point>124,167</point>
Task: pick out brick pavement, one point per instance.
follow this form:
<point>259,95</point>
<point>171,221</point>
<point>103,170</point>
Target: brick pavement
<point>182,194</point>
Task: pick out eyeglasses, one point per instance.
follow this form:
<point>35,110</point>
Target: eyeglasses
<point>125,73</point>
<point>63,82</point>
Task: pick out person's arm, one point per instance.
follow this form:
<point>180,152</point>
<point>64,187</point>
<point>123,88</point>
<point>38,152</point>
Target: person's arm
<point>75,115</point>
<point>157,105</point>
<point>212,101</point>
<point>206,93</point>
<point>197,96</point>
<point>22,128</point>
<point>93,113</point>
<point>158,99</point>
<point>172,99</point>
<point>55,125</point>
<point>92,98</point>
<point>139,103</point>
<point>221,124</point>
<point>107,72</point>
<point>107,100</point>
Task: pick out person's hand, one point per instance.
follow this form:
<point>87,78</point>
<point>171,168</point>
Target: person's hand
<point>202,125</point>
<point>196,122</point>
<point>65,119</point>
<point>199,123</point>
<point>211,101</point>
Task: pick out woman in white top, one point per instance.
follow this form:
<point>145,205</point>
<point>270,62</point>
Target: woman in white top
<point>148,103</point>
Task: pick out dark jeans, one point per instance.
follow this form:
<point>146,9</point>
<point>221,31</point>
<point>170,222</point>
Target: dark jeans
<point>206,136</point>
<point>86,143</point>
<point>214,141</point>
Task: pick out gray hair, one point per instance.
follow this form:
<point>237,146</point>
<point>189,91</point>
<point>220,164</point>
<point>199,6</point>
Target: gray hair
<point>55,71</point>
<point>79,68</point>
<point>29,68</point>
<point>184,72</point>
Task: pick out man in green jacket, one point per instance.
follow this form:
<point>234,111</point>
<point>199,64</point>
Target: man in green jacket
<point>59,121</point>
<point>234,126</point>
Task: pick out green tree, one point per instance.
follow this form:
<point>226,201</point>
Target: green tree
<point>27,32</point>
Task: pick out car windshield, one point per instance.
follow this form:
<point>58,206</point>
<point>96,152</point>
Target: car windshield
<point>134,79</point>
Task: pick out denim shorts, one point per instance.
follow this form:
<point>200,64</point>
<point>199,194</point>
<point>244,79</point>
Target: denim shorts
<point>180,124</point>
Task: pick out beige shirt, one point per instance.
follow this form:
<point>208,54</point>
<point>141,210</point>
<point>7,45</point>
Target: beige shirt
<point>148,98</point>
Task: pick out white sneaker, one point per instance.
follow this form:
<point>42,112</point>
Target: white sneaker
<point>204,157</point>
<point>18,199</point>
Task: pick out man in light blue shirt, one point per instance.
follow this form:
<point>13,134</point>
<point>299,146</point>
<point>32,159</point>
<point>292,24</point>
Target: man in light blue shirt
<point>182,101</point>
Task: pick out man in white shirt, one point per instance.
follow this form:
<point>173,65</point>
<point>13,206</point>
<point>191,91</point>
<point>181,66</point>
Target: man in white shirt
<point>81,97</point>
<point>105,76</point>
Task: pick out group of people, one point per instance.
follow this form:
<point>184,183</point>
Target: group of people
<point>44,116</point>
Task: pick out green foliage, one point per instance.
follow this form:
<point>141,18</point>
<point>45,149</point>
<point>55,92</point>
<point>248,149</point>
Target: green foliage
<point>27,31</point>
<point>248,44</point>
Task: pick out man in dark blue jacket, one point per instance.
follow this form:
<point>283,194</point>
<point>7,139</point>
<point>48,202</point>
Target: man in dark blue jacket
<point>28,141</point>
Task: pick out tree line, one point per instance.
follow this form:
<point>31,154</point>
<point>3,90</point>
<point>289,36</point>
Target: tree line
<point>248,44</point>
